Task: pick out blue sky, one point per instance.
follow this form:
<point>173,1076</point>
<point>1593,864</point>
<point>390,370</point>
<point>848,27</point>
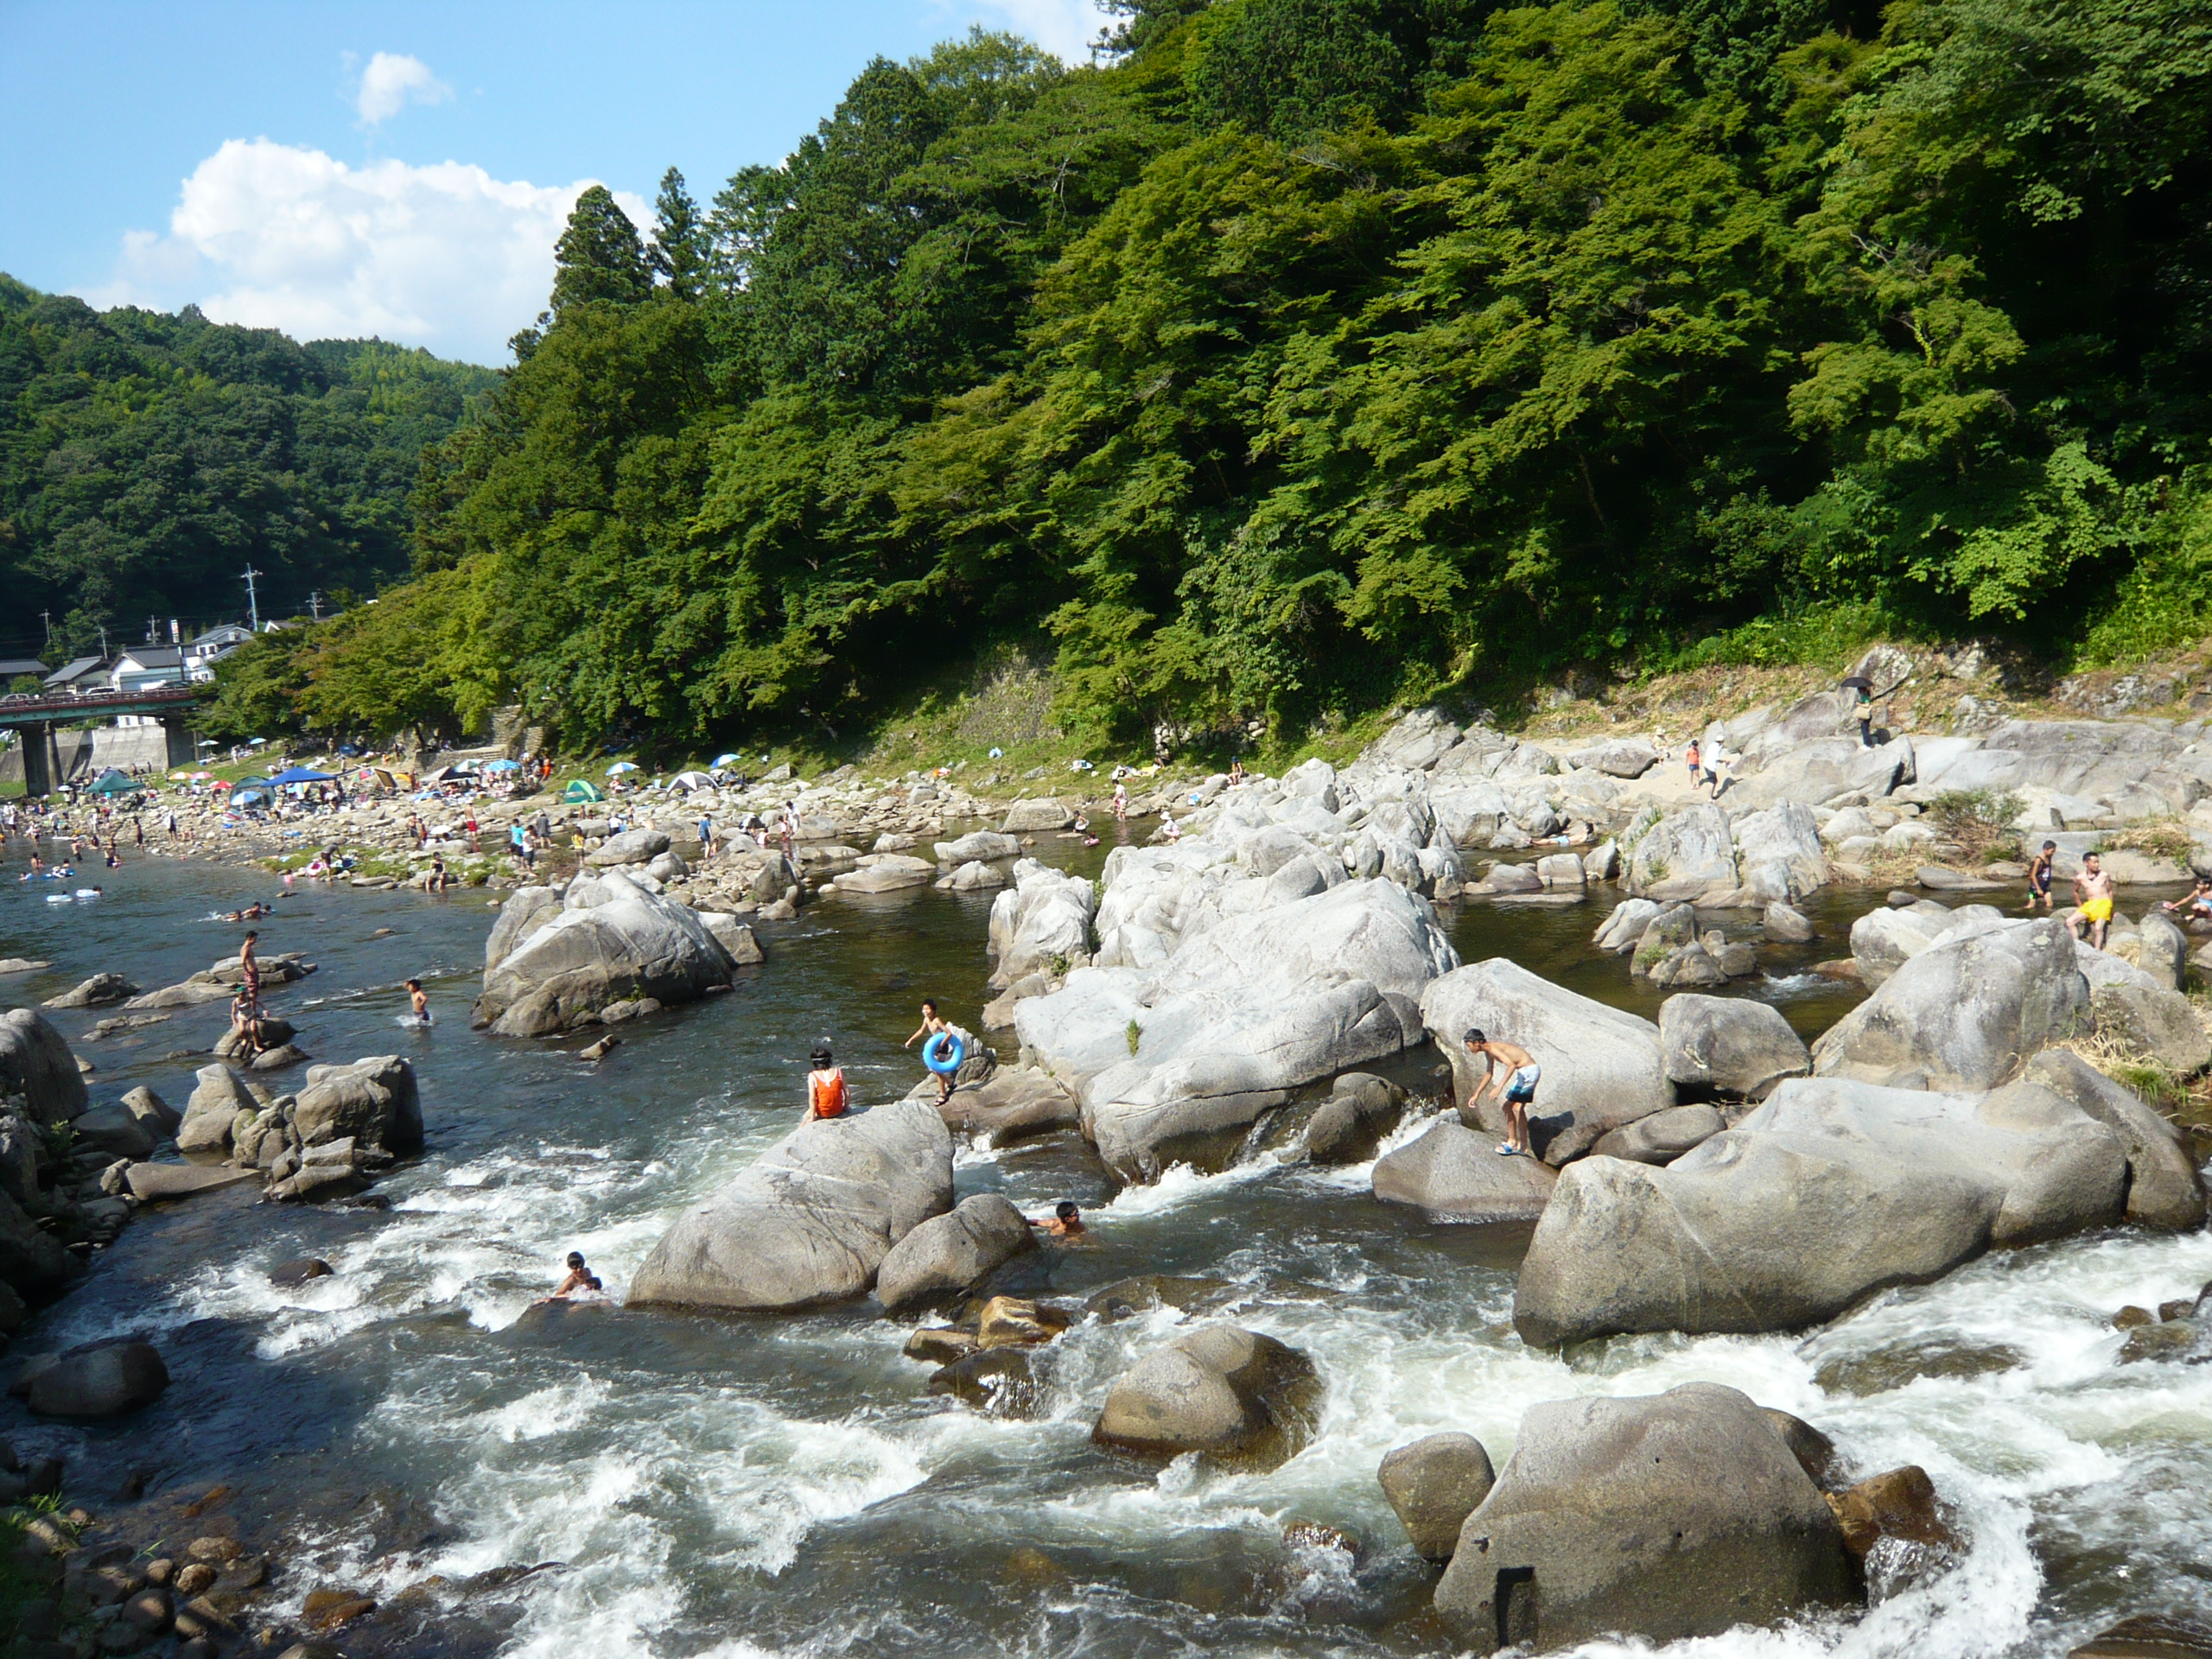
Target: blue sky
<point>401,169</point>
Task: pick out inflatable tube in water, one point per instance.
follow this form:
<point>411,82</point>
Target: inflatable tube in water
<point>58,899</point>
<point>943,1052</point>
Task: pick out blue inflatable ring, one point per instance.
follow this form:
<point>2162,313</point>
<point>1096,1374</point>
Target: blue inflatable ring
<point>935,1052</point>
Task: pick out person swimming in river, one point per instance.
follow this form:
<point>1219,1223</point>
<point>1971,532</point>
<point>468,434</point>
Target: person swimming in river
<point>931,1027</point>
<point>1065,1222</point>
<point>826,1094</point>
<point>580,1283</point>
<point>418,1002</point>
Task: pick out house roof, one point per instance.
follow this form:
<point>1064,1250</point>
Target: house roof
<point>220,632</point>
<point>12,666</point>
<point>77,670</point>
<point>152,656</point>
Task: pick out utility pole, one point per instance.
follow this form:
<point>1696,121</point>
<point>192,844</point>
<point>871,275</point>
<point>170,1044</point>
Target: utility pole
<point>47,617</point>
<point>151,624</point>
<point>314,603</point>
<point>252,600</point>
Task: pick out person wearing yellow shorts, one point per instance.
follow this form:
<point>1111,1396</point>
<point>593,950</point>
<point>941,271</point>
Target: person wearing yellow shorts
<point>2092,896</point>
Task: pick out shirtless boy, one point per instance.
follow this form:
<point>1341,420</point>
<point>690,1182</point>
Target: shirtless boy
<point>2093,894</point>
<point>1513,1077</point>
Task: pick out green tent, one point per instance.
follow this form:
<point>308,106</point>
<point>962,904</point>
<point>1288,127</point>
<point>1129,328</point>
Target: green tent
<point>112,782</point>
<point>580,791</point>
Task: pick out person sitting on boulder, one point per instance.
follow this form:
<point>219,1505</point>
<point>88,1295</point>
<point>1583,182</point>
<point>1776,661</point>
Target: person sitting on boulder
<point>2197,907</point>
<point>931,1027</point>
<point>1065,1222</point>
<point>1513,1076</point>
<point>826,1094</point>
<point>2093,894</point>
<point>245,1022</point>
<point>581,1281</point>
<point>2039,874</point>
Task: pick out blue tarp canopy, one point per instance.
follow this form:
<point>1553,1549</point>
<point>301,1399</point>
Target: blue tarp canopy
<point>304,775</point>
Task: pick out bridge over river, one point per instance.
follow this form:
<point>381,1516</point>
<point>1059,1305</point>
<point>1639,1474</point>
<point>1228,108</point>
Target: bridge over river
<point>36,715</point>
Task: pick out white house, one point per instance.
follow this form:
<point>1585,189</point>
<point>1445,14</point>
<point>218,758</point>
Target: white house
<point>204,650</point>
<point>146,666</point>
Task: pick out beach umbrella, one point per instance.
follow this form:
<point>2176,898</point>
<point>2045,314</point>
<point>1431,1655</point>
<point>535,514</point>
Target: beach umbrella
<point>728,759</point>
<point>503,766</point>
<point>250,798</point>
<point>221,782</point>
<point>255,742</point>
<point>620,767</point>
<point>1858,683</point>
<point>304,775</point>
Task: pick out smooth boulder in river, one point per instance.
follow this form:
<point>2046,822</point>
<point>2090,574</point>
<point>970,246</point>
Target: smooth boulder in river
<point>1828,1193</point>
<point>811,1220</point>
<point>1968,1015</point>
<point>1661,1516</point>
<point>1452,1173</point>
<point>1434,1484</point>
<point>1231,1393</point>
<point>35,1062</point>
<point>1602,1067</point>
<point>1728,1046</point>
<point>952,1252</point>
<point>373,1101</point>
<point>612,940</point>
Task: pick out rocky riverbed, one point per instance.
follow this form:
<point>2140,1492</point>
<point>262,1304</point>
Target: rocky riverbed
<point>1905,1285</point>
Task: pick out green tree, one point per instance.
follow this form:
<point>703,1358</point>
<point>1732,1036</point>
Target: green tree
<point>599,257</point>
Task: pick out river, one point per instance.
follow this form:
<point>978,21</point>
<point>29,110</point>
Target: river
<point>745,1487</point>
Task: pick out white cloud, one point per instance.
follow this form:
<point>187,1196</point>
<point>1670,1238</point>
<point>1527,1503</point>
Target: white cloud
<point>275,236</point>
<point>1064,28</point>
<point>390,81</point>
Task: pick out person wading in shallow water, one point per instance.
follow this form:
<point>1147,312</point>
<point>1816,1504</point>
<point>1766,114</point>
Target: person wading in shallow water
<point>580,1283</point>
<point>1513,1077</point>
<point>826,1094</point>
<point>931,1027</point>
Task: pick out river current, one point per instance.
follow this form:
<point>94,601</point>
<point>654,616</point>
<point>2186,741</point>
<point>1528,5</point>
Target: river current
<point>737,1487</point>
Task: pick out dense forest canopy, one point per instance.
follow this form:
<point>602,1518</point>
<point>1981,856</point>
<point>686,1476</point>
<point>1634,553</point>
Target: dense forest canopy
<point>145,460</point>
<point>1303,355</point>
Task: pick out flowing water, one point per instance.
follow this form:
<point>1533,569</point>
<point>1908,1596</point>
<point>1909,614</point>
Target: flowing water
<point>770,1486</point>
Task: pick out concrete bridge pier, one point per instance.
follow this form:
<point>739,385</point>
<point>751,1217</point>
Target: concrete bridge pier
<point>184,750</point>
<point>40,763</point>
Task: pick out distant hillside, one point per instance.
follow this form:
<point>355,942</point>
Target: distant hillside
<point>146,460</point>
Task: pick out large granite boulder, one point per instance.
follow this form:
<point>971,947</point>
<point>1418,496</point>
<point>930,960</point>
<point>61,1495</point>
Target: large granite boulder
<point>1041,924</point>
<point>99,992</point>
<point>373,1102</point>
<point>35,1062</point>
<point>952,1252</point>
<point>32,1262</point>
<point>1033,817</point>
<point>887,873</point>
<point>1234,1396</point>
<point>631,847</point>
<point>1684,855</point>
<point>1452,1173</point>
<point>1728,1046</point>
<point>613,940</point>
<point>1434,1484</point>
<point>100,1379</point>
<point>1602,1067</point>
<point>2165,1189</point>
<point>985,844</point>
<point>1663,1136</point>
<point>1779,855</point>
<point>1658,1517</point>
<point>1166,1063</point>
<point>1968,1015</point>
<point>1828,1193</point>
<point>2140,1016</point>
<point>1012,1103</point>
<point>811,1220</point>
<point>1883,941</point>
<point>219,1099</point>
<point>526,909</point>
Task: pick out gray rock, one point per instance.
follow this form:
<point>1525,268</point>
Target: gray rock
<point>373,1102</point>
<point>1968,1015</point>
<point>101,1379</point>
<point>233,1044</point>
<point>1435,1483</point>
<point>32,1261</point>
<point>1829,1191</point>
<point>1602,862</point>
<point>985,844</point>
<point>1883,941</point>
<point>1623,928</point>
<point>888,872</point>
<point>1660,1517</point>
<point>218,1097</point>
<point>952,1252</point>
<point>526,909</point>
<point>149,1181</point>
<point>1602,1068</point>
<point>1728,1046</point>
<point>1778,853</point>
<point>1012,1103</point>
<point>1560,870</point>
<point>2141,1017</point>
<point>1684,855</point>
<point>1785,925</point>
<point>1662,1137</point>
<point>1627,757</point>
<point>975,876</point>
<point>1042,926</point>
<point>1237,1020</point>
<point>1233,1394</point>
<point>735,937</point>
<point>613,939</point>
<point>631,847</point>
<point>35,1062</point>
<point>1687,965</point>
<point>98,992</point>
<point>114,1132</point>
<point>811,1220</point>
<point>153,1111</point>
<point>1361,1109</point>
<point>1452,1173</point>
<point>284,1055</point>
<point>1033,817</point>
<point>21,1147</point>
<point>2165,1189</point>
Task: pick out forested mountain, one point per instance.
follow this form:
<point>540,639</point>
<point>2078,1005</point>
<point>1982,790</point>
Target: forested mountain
<point>1312,353</point>
<point>146,460</point>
